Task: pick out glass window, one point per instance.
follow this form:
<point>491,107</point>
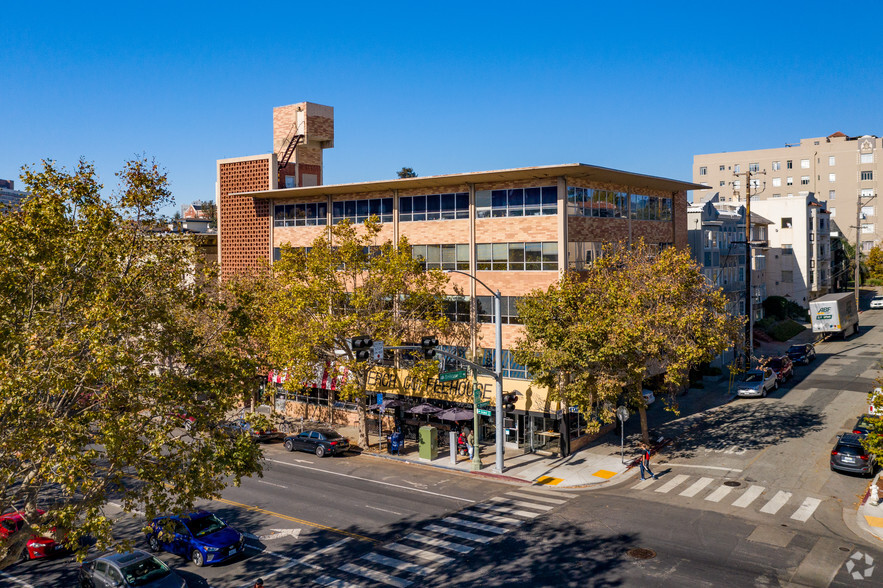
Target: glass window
<point>789,164</point>
<point>550,256</point>
<point>516,202</point>
<point>789,181</point>
<point>703,170</point>
<point>867,158</point>
<point>299,215</point>
<point>516,256</point>
<point>804,164</point>
<point>831,160</point>
<point>832,177</point>
<point>754,167</point>
<point>500,256</point>
<point>787,249</point>
<point>483,256</point>
<point>867,175</point>
<point>777,182</point>
<point>804,180</point>
<point>533,256</point>
<point>736,168</point>
<point>777,165</point>
<point>832,194</point>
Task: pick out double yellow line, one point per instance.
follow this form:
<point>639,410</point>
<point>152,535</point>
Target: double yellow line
<point>295,520</point>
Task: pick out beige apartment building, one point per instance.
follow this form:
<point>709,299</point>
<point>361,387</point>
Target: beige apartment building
<point>841,171</point>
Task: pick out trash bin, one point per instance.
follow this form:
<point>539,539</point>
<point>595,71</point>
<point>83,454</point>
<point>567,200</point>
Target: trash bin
<point>428,442</point>
<point>395,443</point>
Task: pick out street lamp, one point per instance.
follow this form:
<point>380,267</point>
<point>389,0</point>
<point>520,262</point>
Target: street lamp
<point>498,372</point>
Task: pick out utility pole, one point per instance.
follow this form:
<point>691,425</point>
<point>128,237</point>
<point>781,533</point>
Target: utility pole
<point>858,240</point>
<point>749,299</point>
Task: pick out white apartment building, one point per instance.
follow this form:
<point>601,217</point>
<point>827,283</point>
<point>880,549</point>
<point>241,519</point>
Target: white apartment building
<point>844,170</point>
<point>798,257</point>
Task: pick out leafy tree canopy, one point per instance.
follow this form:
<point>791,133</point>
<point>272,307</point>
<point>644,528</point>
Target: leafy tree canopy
<point>406,172</point>
<point>108,334</point>
<point>596,335</point>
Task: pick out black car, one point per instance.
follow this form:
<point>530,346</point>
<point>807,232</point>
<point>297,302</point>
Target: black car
<point>319,442</point>
<point>803,353</point>
<point>848,455</point>
<point>133,568</point>
<point>863,424</point>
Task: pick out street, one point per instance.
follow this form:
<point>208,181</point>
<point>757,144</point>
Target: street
<point>743,498</point>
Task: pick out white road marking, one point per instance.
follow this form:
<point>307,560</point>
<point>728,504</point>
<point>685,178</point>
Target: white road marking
<point>778,501</point>
<point>279,533</point>
<point>506,509</point>
<point>382,509</point>
<point>271,484</point>
<point>330,473</point>
<point>718,494</point>
<point>703,467</point>
<point>696,487</point>
<point>334,582</point>
<point>540,498</point>
<point>16,580</point>
<point>439,543</point>
<point>643,484</point>
<point>676,481</point>
<point>544,490</point>
<point>283,556</point>
<point>806,509</point>
<point>491,517</point>
<point>474,525</point>
<point>397,564</point>
<point>120,506</point>
<point>458,533</point>
<point>325,549</point>
<point>416,552</point>
<point>375,575</point>
<point>749,496</point>
<point>508,501</point>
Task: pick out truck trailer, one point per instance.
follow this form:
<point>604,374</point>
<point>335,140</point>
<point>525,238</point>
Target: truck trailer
<point>834,313</point>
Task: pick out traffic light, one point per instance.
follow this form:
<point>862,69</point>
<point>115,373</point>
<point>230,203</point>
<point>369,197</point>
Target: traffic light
<point>429,344</point>
<point>361,347</point>
<point>509,401</point>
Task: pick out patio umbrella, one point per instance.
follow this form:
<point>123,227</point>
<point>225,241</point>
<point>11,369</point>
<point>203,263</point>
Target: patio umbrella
<point>387,403</point>
<point>455,414</point>
<point>424,408</point>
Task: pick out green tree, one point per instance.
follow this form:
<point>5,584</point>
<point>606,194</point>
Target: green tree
<point>406,172</point>
<point>594,336</point>
<point>874,263</point>
<point>108,332</point>
<point>347,286</point>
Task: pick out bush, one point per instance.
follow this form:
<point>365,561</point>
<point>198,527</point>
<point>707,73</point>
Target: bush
<point>784,330</point>
<point>781,308</point>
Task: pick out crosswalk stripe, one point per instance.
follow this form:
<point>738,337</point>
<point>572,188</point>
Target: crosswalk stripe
<point>326,549</point>
<point>506,509</point>
<point>521,504</point>
<point>542,498</point>
<point>474,525</point>
<point>718,494</point>
<point>696,487</point>
<point>458,533</point>
<point>333,582</point>
<point>491,517</point>
<point>778,501</point>
<point>375,575</point>
<point>806,509</point>
<point>643,484</point>
<point>397,564</point>
<point>459,548</point>
<point>417,552</point>
<point>677,480</point>
<point>749,496</point>
<point>543,490</point>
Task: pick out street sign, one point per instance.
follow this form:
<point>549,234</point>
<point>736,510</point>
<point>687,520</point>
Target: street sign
<point>377,351</point>
<point>451,376</point>
<point>484,412</point>
<point>623,413</point>
<point>483,403</point>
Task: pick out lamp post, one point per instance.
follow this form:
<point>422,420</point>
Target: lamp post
<point>498,371</point>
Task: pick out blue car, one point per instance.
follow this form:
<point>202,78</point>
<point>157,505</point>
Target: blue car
<point>201,536</point>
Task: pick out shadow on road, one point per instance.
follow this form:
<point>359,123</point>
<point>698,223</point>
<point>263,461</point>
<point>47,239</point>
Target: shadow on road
<point>746,427</point>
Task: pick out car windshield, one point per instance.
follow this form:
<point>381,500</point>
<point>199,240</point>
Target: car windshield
<point>145,572</point>
<point>797,349</point>
<point>205,525</point>
<point>878,298</point>
<point>753,377</point>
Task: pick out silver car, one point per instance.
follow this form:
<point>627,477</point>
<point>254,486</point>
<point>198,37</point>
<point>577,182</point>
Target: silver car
<point>127,570</point>
<point>757,383</point>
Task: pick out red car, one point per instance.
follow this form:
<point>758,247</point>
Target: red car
<point>782,366</point>
<point>37,547</point>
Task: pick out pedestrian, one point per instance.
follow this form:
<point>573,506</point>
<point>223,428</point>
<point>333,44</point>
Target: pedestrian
<point>645,461</point>
<point>461,444</point>
<point>259,583</point>
<point>470,444</point>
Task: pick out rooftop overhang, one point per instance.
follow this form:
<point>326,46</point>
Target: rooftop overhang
<point>573,171</point>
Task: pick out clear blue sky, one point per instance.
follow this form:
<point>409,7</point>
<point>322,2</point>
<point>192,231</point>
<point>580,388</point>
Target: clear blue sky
<point>440,87</point>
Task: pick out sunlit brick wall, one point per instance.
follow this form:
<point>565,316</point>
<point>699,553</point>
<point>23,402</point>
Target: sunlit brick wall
<point>244,222</point>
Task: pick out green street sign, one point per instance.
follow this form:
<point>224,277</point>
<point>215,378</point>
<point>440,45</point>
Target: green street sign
<point>483,403</point>
<point>451,376</point>
<point>484,412</point>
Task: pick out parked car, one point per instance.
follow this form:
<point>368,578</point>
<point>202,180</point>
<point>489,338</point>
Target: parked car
<point>130,569</point>
<point>757,382</point>
<point>802,353</point>
<point>649,398</point>
<point>319,442</point>
<point>848,455</point>
<point>863,424</point>
<point>782,366</point>
<point>200,536</point>
<point>37,547</point>
<point>242,427</point>
<point>877,302</point>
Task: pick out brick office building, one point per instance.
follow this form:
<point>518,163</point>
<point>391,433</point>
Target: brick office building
<point>516,230</point>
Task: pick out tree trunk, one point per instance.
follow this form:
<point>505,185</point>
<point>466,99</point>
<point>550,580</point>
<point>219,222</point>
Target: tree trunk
<point>363,422</point>
<point>645,434</point>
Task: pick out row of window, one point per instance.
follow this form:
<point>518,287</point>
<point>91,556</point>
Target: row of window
<point>611,204</point>
<point>517,256</point>
<point>516,202</point>
<point>457,308</point>
<point>434,207</point>
<point>789,164</point>
<point>442,256</point>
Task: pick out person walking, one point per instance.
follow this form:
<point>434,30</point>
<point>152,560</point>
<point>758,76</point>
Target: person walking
<point>470,444</point>
<point>645,461</point>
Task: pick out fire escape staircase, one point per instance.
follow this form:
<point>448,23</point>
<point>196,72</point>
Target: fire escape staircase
<point>291,144</point>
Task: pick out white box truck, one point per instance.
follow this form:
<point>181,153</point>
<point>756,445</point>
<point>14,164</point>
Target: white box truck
<point>834,313</point>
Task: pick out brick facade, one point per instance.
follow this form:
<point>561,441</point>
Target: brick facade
<point>243,222</point>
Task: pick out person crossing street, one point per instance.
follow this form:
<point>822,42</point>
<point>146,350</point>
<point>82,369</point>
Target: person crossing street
<point>645,461</point>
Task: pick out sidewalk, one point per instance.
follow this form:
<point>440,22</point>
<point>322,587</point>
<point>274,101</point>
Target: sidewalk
<point>870,516</point>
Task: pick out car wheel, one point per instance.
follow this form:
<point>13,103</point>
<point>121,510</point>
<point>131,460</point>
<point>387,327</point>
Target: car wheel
<point>776,385</point>
<point>25,554</point>
<point>86,583</point>
<point>153,543</point>
<point>196,557</point>
<point>320,451</point>
<point>763,393</point>
<point>289,446</point>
